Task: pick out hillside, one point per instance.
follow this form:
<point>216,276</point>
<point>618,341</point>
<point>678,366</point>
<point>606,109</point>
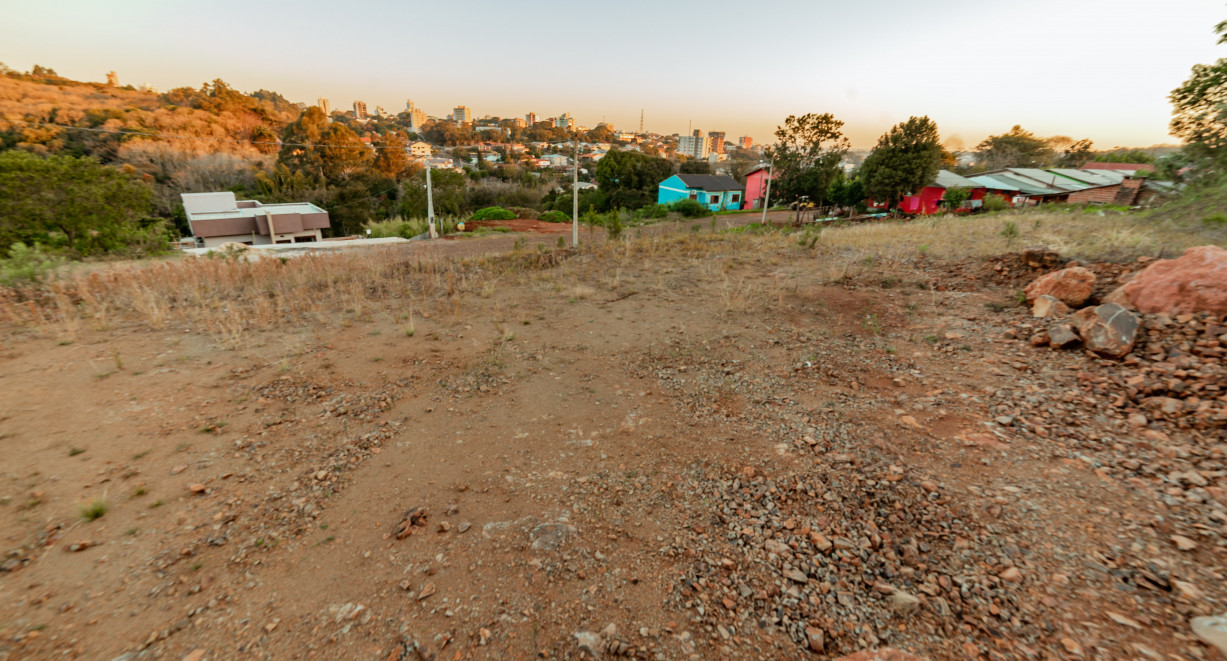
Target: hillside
<point>215,124</point>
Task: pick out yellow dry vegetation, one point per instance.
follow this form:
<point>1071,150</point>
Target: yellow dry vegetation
<point>1081,234</point>
<point>228,296</point>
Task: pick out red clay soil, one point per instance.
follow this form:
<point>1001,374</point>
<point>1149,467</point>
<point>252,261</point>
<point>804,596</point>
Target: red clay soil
<point>520,225</point>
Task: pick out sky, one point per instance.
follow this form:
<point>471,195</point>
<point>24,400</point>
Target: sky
<point>1097,69</point>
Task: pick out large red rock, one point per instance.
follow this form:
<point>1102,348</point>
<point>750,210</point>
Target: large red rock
<point>1194,282</point>
<point>884,654</point>
<point>1072,286</point>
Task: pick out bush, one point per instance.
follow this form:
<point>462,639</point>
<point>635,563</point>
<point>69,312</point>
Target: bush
<point>654,211</point>
<point>396,227</point>
<point>494,213</point>
<point>77,204</point>
<point>524,212</point>
<point>27,265</point>
<point>554,217</point>
<point>407,229</point>
<point>690,208</point>
<point>994,202</point>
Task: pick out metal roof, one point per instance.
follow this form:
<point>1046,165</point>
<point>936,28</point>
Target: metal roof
<point>993,183</point>
<point>1122,173</point>
<point>1050,179</point>
<point>1026,185</point>
<point>1088,177</point>
<point>948,179</point>
<point>709,182</point>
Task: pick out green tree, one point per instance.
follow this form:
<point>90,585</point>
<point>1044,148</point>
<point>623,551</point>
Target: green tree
<point>1016,148</point>
<point>628,179</point>
<point>392,159</point>
<point>1199,107</point>
<point>848,193</point>
<point>72,203</point>
<point>906,159</point>
<point>1076,155</point>
<point>302,139</point>
<point>954,198</point>
<point>599,134</point>
<point>449,199</point>
<point>344,153</point>
<point>807,154</point>
<point>694,166</point>
<point>1124,156</point>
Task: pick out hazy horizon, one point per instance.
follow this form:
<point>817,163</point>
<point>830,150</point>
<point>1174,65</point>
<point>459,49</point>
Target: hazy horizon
<point>1099,70</point>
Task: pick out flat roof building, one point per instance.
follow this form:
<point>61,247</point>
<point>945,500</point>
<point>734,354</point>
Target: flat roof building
<point>217,218</point>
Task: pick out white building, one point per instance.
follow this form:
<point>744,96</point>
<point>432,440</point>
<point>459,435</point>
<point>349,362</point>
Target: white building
<point>694,146</point>
<point>419,149</point>
<point>217,218</point>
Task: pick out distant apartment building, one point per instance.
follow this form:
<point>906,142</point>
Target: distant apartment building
<point>324,106</point>
<point>564,121</point>
<point>745,142</point>
<point>717,141</point>
<point>531,118</point>
<point>417,116</point>
<point>217,218</point>
<point>360,110</point>
<point>695,145</point>
<point>519,123</point>
<point>419,150</point>
<point>462,115</point>
<point>379,111</point>
<point>112,79</point>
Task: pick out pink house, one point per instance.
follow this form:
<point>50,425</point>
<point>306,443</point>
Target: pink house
<point>756,188</point>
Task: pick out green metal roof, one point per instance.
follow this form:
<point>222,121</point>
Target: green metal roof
<point>948,179</point>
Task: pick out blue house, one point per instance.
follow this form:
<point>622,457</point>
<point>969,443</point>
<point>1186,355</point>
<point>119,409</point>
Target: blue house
<point>716,192</point>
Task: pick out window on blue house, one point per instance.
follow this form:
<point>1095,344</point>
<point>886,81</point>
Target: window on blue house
<point>735,198</point>
<point>714,199</point>
<point>694,195</point>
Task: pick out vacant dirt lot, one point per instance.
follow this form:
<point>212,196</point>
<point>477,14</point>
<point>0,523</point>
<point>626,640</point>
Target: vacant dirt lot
<point>726,446</point>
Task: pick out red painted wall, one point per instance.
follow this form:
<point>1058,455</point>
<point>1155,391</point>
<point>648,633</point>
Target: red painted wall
<point>756,186</point>
<point>928,201</point>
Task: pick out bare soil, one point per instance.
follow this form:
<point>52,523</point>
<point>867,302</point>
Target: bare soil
<point>651,441</point>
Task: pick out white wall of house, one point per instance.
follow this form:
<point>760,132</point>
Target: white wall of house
<point>261,240</point>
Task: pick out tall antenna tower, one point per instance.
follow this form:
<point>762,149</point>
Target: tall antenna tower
<point>641,120</point>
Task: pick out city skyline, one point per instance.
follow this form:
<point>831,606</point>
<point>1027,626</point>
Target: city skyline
<point>1102,70</point>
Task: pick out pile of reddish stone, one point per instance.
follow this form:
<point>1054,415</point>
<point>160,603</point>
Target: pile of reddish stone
<point>1169,325</point>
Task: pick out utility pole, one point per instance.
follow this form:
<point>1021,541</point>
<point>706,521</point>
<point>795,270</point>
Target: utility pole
<point>575,197</point>
<point>430,203</point>
<point>767,197</point>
